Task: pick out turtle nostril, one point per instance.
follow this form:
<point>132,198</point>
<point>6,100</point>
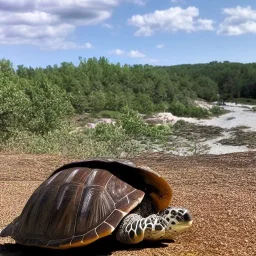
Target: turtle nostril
<point>187,216</point>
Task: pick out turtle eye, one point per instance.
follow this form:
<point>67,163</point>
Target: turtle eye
<point>187,217</point>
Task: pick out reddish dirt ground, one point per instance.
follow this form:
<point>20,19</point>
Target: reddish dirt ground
<point>220,192</point>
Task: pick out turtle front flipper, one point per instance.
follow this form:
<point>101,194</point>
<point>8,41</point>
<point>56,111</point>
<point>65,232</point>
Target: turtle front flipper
<point>165,225</point>
<point>135,229</point>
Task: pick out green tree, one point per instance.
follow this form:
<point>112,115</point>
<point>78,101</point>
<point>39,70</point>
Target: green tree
<point>13,108</point>
<point>206,88</point>
<point>49,106</point>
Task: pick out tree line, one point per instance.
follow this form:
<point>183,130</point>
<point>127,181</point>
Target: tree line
<point>234,80</point>
<point>37,99</point>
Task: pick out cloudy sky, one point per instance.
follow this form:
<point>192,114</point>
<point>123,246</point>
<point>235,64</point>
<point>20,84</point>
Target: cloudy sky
<point>158,32</point>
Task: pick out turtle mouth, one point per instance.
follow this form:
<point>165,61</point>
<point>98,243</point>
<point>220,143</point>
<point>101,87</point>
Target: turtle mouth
<point>182,226</point>
<point>187,223</point>
<point>177,229</point>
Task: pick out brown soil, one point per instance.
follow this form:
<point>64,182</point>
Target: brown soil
<point>219,191</point>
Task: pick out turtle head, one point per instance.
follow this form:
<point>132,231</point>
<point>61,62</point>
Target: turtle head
<point>177,219</point>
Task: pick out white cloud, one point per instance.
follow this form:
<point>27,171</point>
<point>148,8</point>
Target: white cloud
<point>41,22</point>
<point>240,20</point>
<point>131,54</point>
<point>107,25</point>
<point>160,46</point>
<point>205,24</point>
<point>170,20</point>
<point>117,52</point>
<point>66,45</point>
<point>136,54</point>
<point>138,2</point>
<point>87,45</point>
<point>177,1</point>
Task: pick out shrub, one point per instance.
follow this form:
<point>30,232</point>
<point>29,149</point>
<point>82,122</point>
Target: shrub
<point>49,106</point>
<point>216,110</point>
<point>13,108</point>
<point>107,114</point>
<point>179,109</point>
<point>66,141</point>
<point>135,127</point>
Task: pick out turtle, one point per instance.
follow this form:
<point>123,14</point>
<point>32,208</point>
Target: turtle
<point>81,202</point>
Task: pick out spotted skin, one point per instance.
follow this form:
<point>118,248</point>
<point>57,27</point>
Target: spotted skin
<point>164,225</point>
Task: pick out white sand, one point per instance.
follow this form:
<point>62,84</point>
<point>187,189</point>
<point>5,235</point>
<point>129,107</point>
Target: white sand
<point>240,115</point>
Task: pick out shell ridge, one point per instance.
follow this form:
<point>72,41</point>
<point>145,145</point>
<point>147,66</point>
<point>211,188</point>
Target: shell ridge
<point>80,202</point>
<point>108,181</point>
<point>77,212</point>
<point>51,211</point>
<point>126,196</point>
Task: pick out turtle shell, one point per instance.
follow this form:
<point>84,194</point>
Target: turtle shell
<point>84,201</point>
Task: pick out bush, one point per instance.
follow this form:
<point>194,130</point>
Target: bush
<point>179,109</point>
<point>195,111</point>
<point>67,141</point>
<point>135,127</point>
<point>107,114</point>
<point>49,106</point>
<point>13,108</point>
<point>216,110</point>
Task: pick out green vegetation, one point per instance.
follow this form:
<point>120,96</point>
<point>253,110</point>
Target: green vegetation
<point>128,136</point>
<point>248,101</point>
<point>241,138</point>
<point>233,80</point>
<point>39,106</point>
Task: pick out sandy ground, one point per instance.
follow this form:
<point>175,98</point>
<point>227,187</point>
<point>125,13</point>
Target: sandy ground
<point>219,190</point>
<point>239,115</point>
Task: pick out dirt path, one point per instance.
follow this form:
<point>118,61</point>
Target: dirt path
<point>219,190</point>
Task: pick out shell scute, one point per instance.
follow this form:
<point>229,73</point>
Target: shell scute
<point>96,205</point>
<point>64,211</point>
<point>117,189</point>
<point>37,214</point>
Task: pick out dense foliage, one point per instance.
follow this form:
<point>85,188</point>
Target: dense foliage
<point>37,101</point>
<point>35,105</point>
<point>233,80</point>
<point>96,85</point>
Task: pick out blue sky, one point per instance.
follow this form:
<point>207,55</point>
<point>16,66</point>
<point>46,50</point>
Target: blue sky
<point>158,32</point>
